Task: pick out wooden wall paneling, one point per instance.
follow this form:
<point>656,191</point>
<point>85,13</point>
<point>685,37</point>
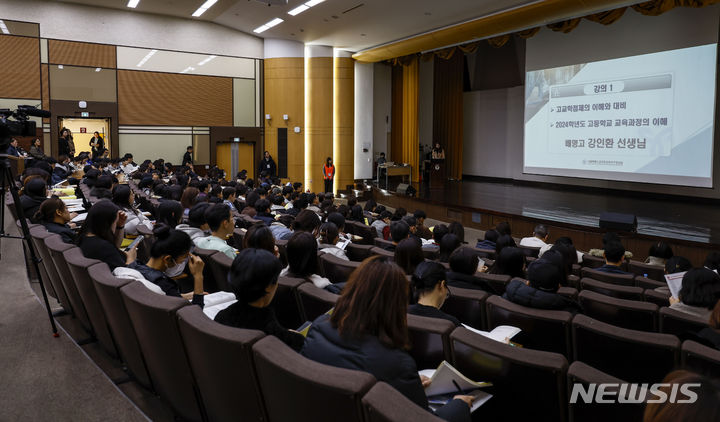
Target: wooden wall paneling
<point>45,90</point>
<point>150,98</point>
<point>343,121</point>
<point>82,54</point>
<point>20,71</point>
<point>319,124</point>
<point>284,93</point>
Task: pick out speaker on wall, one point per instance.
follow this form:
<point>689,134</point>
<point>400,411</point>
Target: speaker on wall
<point>406,189</point>
<point>618,222</point>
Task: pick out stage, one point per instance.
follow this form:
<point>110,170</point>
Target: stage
<point>568,211</point>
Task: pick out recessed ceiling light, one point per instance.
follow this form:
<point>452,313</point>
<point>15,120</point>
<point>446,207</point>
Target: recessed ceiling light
<point>97,69</point>
<point>133,3</point>
<point>298,10</point>
<point>268,25</point>
<point>206,60</point>
<point>312,3</point>
<point>205,6</point>
<point>60,66</point>
<point>146,58</point>
<point>3,27</point>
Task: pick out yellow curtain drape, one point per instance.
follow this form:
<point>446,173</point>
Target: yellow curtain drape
<point>410,136</point>
<point>658,7</point>
<point>448,111</point>
<point>608,17</point>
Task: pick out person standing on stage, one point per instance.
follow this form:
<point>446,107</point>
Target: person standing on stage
<point>328,174</point>
<point>97,145</point>
<point>267,165</point>
<point>438,153</point>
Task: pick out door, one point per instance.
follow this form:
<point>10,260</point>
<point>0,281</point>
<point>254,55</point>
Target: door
<point>82,131</point>
<point>235,156</point>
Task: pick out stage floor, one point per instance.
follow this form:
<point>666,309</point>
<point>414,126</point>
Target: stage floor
<point>674,218</point>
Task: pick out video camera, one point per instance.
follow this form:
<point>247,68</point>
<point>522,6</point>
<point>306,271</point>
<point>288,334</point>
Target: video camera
<point>20,126</point>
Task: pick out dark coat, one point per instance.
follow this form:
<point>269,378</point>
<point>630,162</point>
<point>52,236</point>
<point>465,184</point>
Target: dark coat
<point>167,284</point>
<point>242,315</point>
<point>465,281</point>
<point>267,166</point>
<point>66,233</point>
<point>30,205</point>
<point>393,366</point>
<point>612,269</point>
<point>521,294</point>
<point>187,159</point>
<point>268,219</point>
<point>431,312</point>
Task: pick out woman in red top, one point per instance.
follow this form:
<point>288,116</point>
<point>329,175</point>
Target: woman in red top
<point>328,174</point>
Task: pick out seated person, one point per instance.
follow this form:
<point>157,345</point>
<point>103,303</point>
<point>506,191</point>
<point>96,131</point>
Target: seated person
<point>399,230</point>
<point>188,199</point>
<point>102,233</point>
<point>280,228</point>
<point>607,238</point>
<point>699,293</point>
<point>103,187</point>
<point>54,215</point>
<point>124,197</point>
<point>538,239</point>
<point>448,244</point>
<point>307,221</point>
<point>491,236</point>
<point>412,224</point>
<point>463,267</point>
<point>368,332</point>
<point>458,230</point>
<point>339,221</point>
<point>563,240</point>
<point>250,199</point>
<point>614,255</point>
<point>278,206</point>
<point>408,254</point>
<point>430,290</point>
<point>221,223</point>
<point>329,237</point>
<point>510,261</point>
<point>262,209</point>
<point>706,390</point>
<point>259,236</point>
<point>170,213</point>
<point>303,261</point>
<point>33,195</point>
<point>504,241</point>
<point>421,230</point>
<point>253,278</point>
<point>169,255</point>
<point>381,223</point>
<point>712,261</point>
<point>540,292</point>
<point>659,253</point>
<point>61,171</point>
<point>197,226</point>
<point>677,264</point>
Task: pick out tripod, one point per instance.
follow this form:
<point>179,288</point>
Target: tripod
<point>7,182</point>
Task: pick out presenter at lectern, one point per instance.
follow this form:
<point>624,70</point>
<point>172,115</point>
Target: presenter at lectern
<point>438,153</point>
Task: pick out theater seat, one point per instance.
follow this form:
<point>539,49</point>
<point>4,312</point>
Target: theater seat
<point>530,251</point>
<point>358,253</point>
<point>659,298</point>
<point>527,384</point>
<point>636,356</point>
<point>609,289</point>
<point>700,358</point>
<point>65,290</point>
<point>631,314</point>
<point>48,272</point>
<point>286,302</point>
<point>367,233</point>
<point>315,301</point>
<point>497,281</point>
<point>541,329</point>
<point>621,279</point>
<point>467,305</point>
<point>653,272</point>
<point>385,404</point>
<point>298,389</point>
<point>680,323</point>
<point>335,269</point>
<point>209,283</point>
<point>429,340</point>
<point>590,261</point>
<point>646,283</point>
<point>222,363</point>
<point>220,267</point>
<point>584,375</point>
<point>382,243</point>
<point>382,252</point>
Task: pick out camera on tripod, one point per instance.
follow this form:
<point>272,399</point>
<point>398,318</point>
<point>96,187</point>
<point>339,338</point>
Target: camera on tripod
<point>20,126</point>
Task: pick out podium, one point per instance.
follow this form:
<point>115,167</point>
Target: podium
<point>438,176</point>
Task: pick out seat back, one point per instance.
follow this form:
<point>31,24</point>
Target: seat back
<point>486,253</point>
<point>637,356</point>
<point>154,319</point>
<point>108,288</point>
<point>287,304</point>
<point>541,329</point>
<point>222,363</point>
<point>631,314</point>
<point>60,284</point>
<point>382,252</point>
<point>385,404</point>
<point>220,267</point>
<point>367,233</point>
<point>78,265</point>
<point>209,281</point>
<point>315,301</point>
<point>497,281</point>
<point>530,251</point>
<point>295,388</point>
<point>358,253</point>
<point>621,279</point>
<point>49,274</point>
<point>700,358</point>
<point>680,323</point>
<point>646,283</point>
<point>337,270</point>
<point>584,375</point>
<point>591,261</point>
<point>538,377</point>
<point>429,340</point>
<point>653,272</point>
<point>237,238</point>
<point>468,306</point>
<point>382,243</point>
<point>659,298</point>
<point>609,289</point>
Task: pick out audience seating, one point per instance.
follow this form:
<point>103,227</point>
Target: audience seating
<point>385,404</point>
<point>527,384</point>
<point>429,340</point>
<point>541,329</point>
<point>295,388</point>
<point>282,249</point>
<point>653,272</point>
<point>646,283</point>
<point>636,356</point>
<point>315,301</point>
<point>286,302</point>
<point>154,320</point>
<point>630,314</point>
<point>659,298</point>
<point>221,360</point>
<point>358,253</point>
<point>700,358</point>
<point>431,254</point>
<point>367,233</point>
<point>237,238</point>
<point>55,248</point>
<point>590,261</point>
<point>609,289</point>
<point>335,269</point>
<point>220,267</point>
<point>622,279</point>
<point>49,274</point>
<point>486,253</point>
<point>497,281</point>
<point>580,373</point>
<point>209,282</point>
<point>108,288</point>
<point>382,243</point>
<point>680,323</point>
<point>530,251</point>
<point>383,252</point>
<point>467,305</point>
<point>569,292</point>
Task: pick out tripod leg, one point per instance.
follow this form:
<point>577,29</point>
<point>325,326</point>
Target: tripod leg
<point>7,180</point>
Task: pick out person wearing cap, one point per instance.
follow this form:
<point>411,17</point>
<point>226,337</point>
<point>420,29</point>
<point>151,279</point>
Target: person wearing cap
<point>540,290</point>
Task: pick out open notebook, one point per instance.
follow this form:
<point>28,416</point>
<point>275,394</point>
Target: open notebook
<point>501,333</point>
<point>446,382</point>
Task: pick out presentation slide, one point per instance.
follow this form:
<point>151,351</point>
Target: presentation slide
<point>646,118</point>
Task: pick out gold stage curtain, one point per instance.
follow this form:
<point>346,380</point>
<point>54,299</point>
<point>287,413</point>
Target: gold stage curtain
<point>396,110</point>
<point>448,111</point>
<point>565,26</point>
<point>658,7</point>
<point>410,136</point>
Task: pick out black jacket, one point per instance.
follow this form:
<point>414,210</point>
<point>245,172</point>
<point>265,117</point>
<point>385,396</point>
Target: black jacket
<point>465,281</point>
<point>187,159</point>
<point>267,218</point>
<point>167,284</point>
<point>267,166</point>
<point>393,366</point>
<point>30,205</point>
<point>242,315</point>
<point>520,293</point>
<point>431,312</point>
<point>612,269</point>
<point>66,233</point>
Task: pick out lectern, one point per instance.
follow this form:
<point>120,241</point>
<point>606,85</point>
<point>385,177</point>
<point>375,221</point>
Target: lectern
<point>438,176</point>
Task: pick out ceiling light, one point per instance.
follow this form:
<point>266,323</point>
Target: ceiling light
<point>97,69</point>
<point>206,60</point>
<point>188,69</point>
<point>312,3</point>
<point>60,66</point>
<point>205,6</point>
<point>298,10</point>
<point>268,25</point>
<point>133,3</point>
<point>146,58</point>
<point>3,27</point>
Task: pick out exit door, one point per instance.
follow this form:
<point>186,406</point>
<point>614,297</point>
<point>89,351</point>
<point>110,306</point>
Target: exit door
<point>236,156</point>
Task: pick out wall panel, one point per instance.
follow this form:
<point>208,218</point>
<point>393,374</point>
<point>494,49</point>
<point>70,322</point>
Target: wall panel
<point>174,99</point>
<point>20,71</point>
<point>171,147</point>
<point>82,83</point>
<point>243,102</point>
<point>81,54</point>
